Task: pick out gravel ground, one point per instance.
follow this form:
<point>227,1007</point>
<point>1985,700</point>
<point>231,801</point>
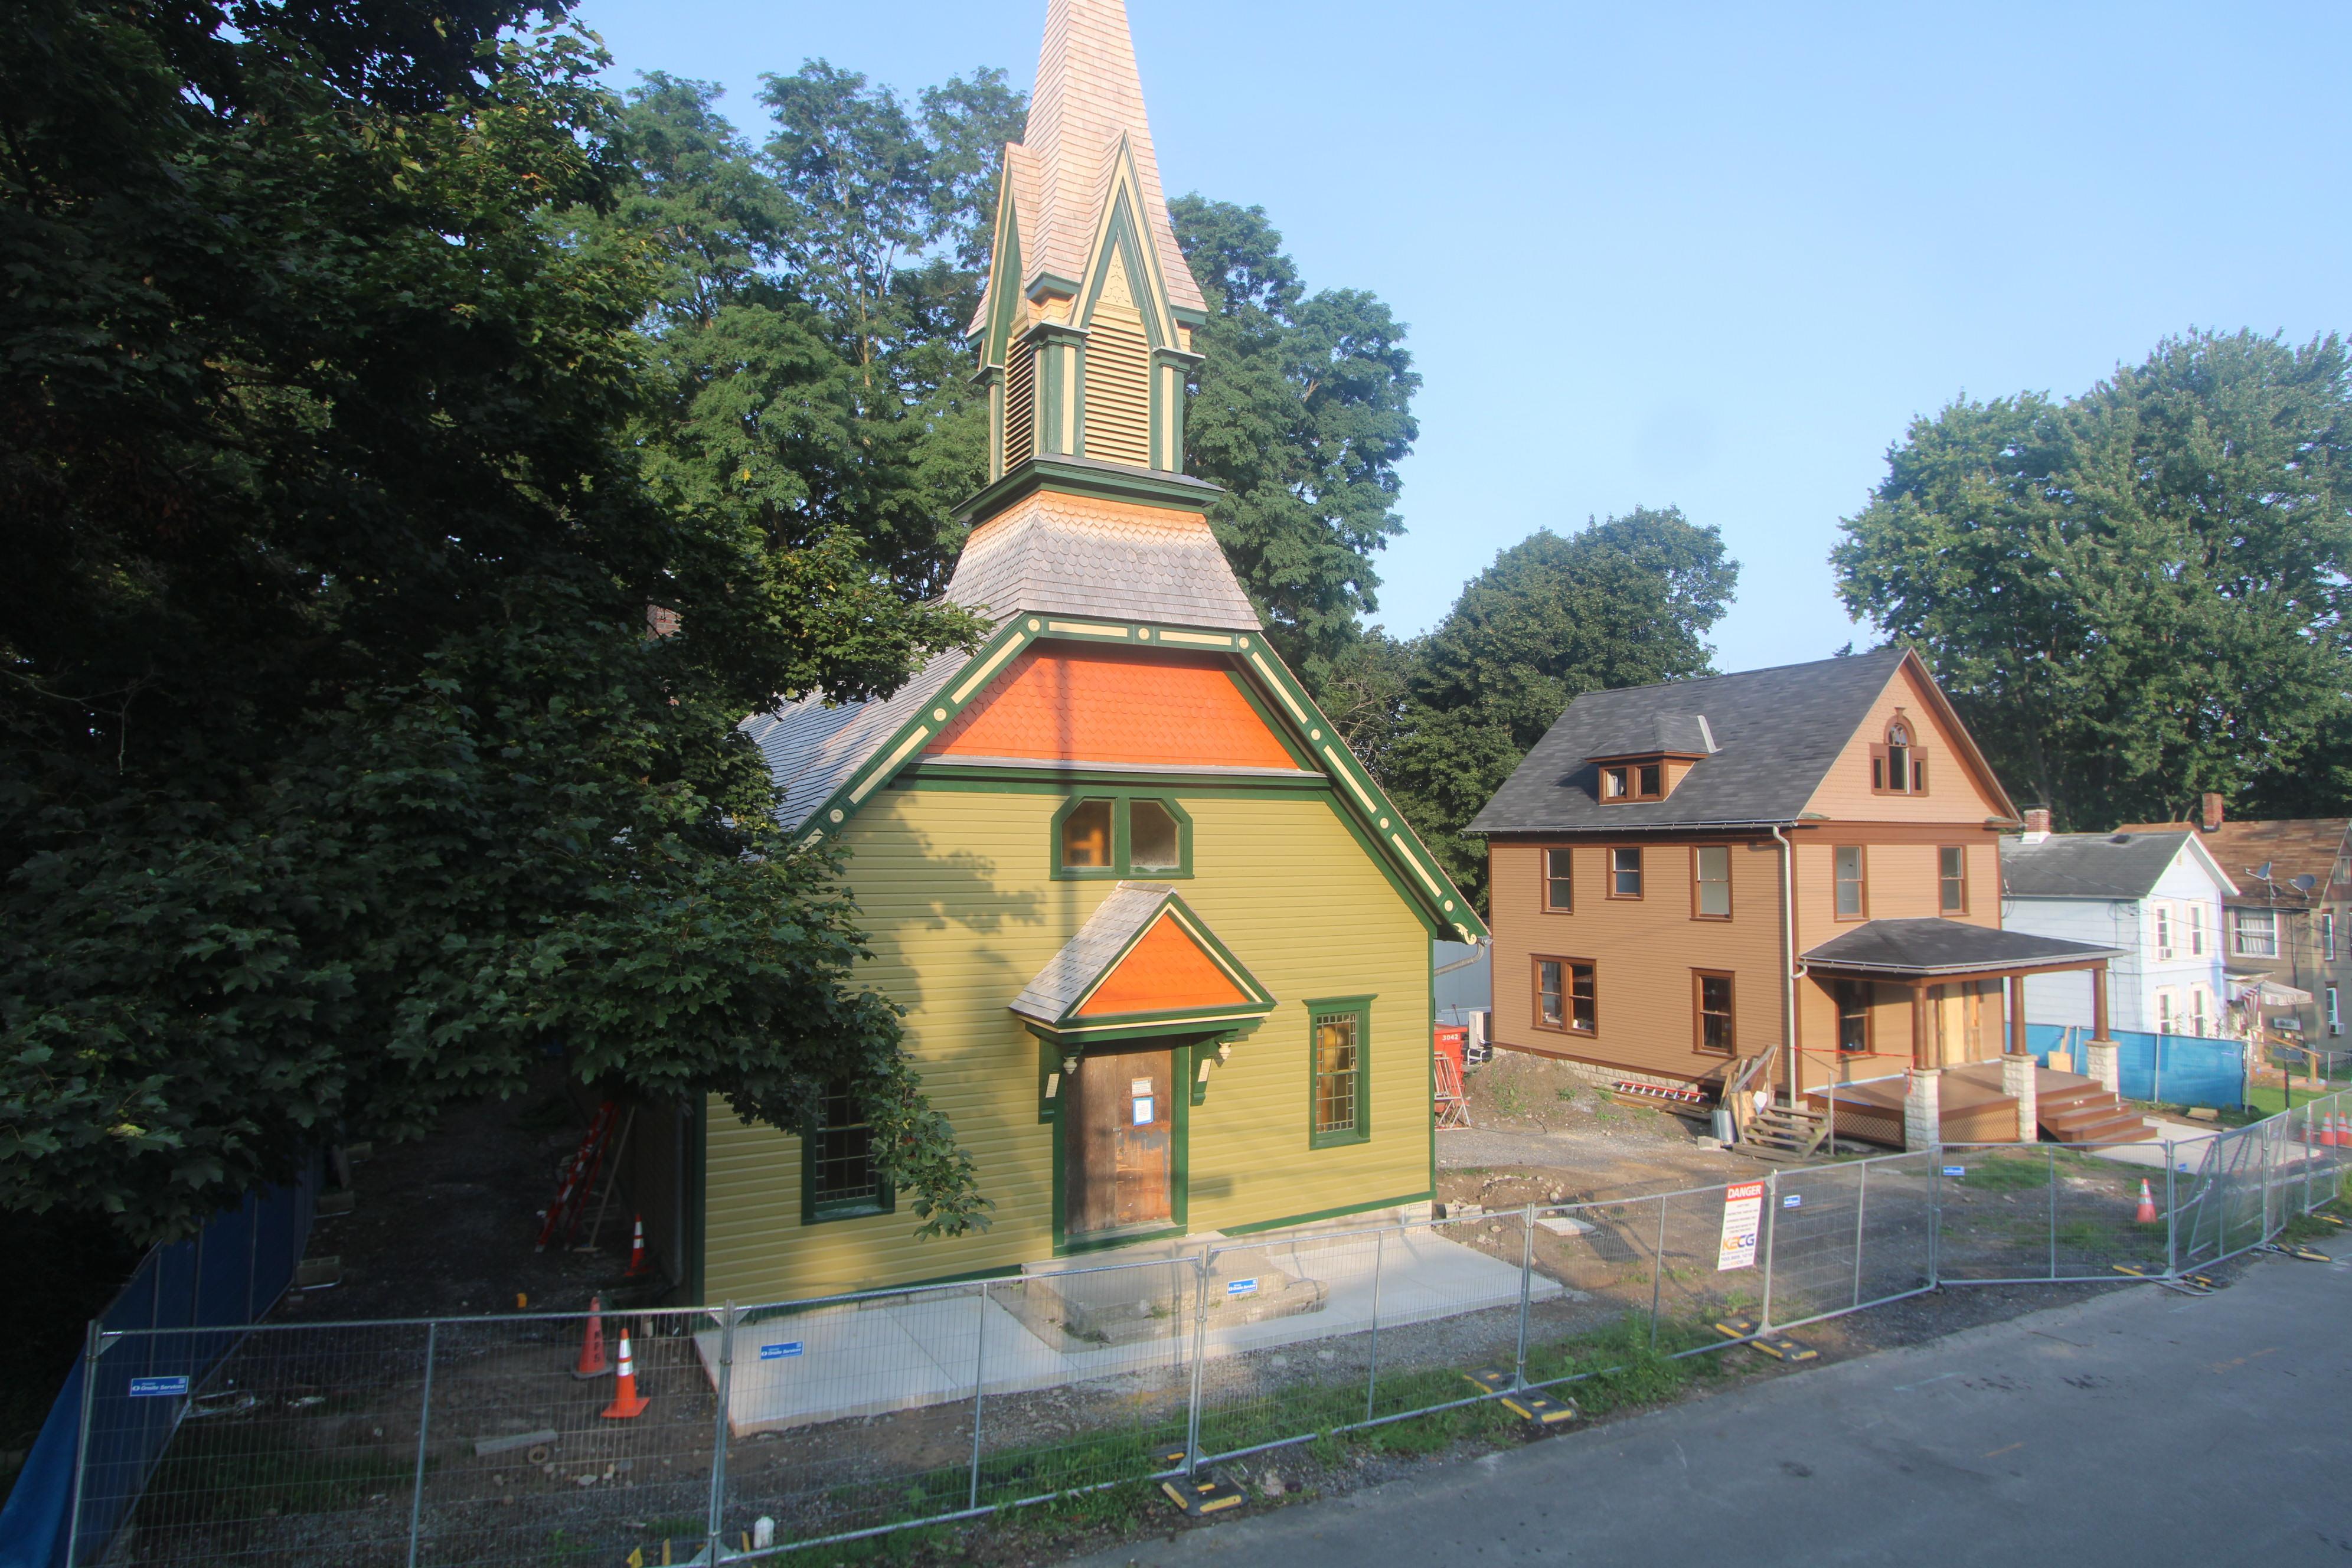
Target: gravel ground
<point>1532,1112</point>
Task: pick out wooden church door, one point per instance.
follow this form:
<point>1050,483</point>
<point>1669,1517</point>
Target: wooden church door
<point>1118,1124</point>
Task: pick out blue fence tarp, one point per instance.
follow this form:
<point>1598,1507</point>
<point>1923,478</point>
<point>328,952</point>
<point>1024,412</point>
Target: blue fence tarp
<point>226,1276</point>
<point>2173,1069</point>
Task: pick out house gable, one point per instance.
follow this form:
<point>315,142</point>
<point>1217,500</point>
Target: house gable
<point>1960,785</point>
<point>1129,706</point>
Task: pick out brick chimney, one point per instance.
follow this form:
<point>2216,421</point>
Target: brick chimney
<point>2037,823</point>
<point>2212,822</point>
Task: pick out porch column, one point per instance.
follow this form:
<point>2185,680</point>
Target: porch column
<point>1919,1028</point>
<point>1922,1109</point>
<point>2099,1055</point>
<point>2017,1067</point>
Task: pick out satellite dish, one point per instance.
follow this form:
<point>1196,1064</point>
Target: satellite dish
<point>2305,883</point>
<point>2262,872</point>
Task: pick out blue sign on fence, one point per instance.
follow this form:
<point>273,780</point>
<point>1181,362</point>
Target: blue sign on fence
<point>1241,1287</point>
<point>158,1387</point>
<point>1956,1170</point>
<point>1793,1200</point>
<point>780,1351</point>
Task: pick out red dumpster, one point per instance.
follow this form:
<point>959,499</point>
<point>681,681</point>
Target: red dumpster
<point>1453,1040</point>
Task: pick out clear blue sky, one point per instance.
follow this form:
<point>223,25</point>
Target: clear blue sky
<point>1711,256</point>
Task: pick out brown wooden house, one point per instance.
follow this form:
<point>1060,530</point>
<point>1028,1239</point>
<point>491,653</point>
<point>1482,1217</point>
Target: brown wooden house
<point>1777,880</point>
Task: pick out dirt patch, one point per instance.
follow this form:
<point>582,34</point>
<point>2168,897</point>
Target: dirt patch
<point>446,1226</point>
<point>1531,1113</point>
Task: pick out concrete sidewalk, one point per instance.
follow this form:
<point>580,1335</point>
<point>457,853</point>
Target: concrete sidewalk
<point>2134,1428</point>
<point>870,1356</point>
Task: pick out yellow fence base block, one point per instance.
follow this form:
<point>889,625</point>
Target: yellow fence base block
<point>1530,1404</point>
<point>1780,1347</point>
<point>1538,1409</point>
<point>2193,1285</point>
<point>1202,1495</point>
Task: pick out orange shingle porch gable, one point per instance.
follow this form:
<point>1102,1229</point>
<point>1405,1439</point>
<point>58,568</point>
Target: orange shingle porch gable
<point>1165,971</point>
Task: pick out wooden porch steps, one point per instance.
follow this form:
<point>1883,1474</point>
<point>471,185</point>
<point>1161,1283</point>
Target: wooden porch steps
<point>1785,1135</point>
<point>2090,1115</point>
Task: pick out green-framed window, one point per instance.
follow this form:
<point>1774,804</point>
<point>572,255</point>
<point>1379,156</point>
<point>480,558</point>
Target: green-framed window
<point>838,1177</point>
<point>1339,1072</point>
<point>1110,833</point>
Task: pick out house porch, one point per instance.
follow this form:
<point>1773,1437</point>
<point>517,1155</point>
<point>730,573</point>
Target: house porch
<point>1976,1108</point>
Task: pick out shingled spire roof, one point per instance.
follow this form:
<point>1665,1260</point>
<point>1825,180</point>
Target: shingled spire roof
<point>1088,96</point>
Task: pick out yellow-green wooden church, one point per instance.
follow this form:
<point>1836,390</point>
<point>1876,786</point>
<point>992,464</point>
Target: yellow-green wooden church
<point>1162,943</point>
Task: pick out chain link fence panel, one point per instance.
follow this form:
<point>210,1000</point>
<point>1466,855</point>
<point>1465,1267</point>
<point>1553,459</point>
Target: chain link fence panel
<point>769,1428</point>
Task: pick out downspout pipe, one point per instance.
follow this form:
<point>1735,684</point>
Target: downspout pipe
<point>1790,970</point>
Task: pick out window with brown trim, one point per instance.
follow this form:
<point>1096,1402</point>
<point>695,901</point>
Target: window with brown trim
<point>1623,782</point>
<point>1711,997</point>
<point>1711,881</point>
<point>1565,998</point>
<point>1854,1000</point>
<point>1853,889</point>
<point>1625,873</point>
<point>1560,881</point>
<point>1898,764</point>
<point>1951,879</point>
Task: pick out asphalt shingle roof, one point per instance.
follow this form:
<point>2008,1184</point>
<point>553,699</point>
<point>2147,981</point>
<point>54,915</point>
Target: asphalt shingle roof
<point>2087,865</point>
<point>2293,846</point>
<point>1776,733</point>
<point>1934,946</point>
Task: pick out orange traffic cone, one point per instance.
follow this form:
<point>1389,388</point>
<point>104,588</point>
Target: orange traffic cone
<point>2320,1129</point>
<point>639,1267</point>
<point>2338,1133</point>
<point>2147,1216</point>
<point>627,1401</point>
<point>591,1343</point>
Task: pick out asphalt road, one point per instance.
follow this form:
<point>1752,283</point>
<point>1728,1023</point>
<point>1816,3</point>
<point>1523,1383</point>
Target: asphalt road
<point>2138,1428</point>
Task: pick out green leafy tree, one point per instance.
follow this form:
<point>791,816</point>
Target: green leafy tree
<point>811,335</point>
<point>2138,595</point>
<point>1623,602</point>
<point>339,773</point>
<point>1302,411</point>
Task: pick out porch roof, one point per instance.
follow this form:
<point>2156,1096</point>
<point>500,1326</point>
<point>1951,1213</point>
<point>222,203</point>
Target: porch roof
<point>1943,950</point>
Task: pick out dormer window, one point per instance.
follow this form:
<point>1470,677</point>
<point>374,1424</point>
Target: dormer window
<point>1898,764</point>
<point>1634,781</point>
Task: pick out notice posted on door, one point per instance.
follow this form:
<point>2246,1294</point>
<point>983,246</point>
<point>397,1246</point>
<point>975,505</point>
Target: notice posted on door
<point>1743,1216</point>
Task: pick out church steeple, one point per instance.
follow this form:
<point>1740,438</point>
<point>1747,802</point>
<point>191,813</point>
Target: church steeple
<point>1084,330</point>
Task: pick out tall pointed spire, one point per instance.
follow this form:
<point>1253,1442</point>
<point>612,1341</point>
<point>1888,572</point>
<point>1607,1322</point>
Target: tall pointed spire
<point>1088,95</point>
<point>1086,343</point>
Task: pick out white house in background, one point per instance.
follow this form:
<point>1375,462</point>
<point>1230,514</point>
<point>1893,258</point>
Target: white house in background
<point>2156,895</point>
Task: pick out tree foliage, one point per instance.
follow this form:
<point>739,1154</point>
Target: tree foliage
<point>2138,595</point>
<point>1623,602</point>
<point>1303,410</point>
<point>340,778</point>
<point>810,335</point>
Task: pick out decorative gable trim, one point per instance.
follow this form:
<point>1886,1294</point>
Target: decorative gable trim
<point>1413,869</point>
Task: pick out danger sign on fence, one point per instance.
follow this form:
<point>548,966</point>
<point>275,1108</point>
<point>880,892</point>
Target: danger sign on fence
<point>1743,1214</point>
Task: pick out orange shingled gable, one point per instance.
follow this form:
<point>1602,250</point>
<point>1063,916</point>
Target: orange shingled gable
<point>1163,972</point>
<point>1115,705</point>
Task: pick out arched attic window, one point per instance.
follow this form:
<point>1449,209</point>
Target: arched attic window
<point>1898,764</point>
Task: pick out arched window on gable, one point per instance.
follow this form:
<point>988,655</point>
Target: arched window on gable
<point>1898,764</point>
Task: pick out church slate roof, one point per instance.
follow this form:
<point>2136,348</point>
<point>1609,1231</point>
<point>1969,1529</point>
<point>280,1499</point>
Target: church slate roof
<point>1088,95</point>
<point>1057,554</point>
<point>1776,733</point>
